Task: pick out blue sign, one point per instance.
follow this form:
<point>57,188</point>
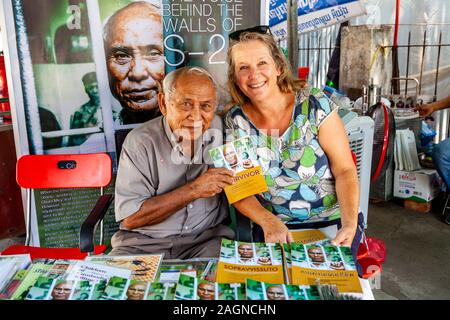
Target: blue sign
<point>312,14</point>
<point>278,8</point>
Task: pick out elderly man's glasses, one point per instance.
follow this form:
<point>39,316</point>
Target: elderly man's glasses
<point>258,29</point>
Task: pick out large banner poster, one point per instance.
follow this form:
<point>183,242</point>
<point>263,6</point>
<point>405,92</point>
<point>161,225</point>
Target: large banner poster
<point>313,14</point>
<point>86,72</point>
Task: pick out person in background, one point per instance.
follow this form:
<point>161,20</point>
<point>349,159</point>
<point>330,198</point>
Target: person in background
<point>301,144</point>
<point>87,115</point>
<point>441,151</point>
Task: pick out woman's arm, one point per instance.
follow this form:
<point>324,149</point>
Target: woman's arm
<point>334,141</point>
<point>275,231</point>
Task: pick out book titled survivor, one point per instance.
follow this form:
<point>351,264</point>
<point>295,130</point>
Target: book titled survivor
<point>240,157</point>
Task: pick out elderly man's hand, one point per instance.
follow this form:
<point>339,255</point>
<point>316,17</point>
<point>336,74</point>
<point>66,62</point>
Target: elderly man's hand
<point>211,183</point>
<point>425,109</point>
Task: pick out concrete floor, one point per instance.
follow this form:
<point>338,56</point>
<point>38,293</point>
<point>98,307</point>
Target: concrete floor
<point>417,263</point>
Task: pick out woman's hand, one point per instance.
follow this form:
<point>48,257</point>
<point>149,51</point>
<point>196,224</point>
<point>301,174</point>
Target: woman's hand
<point>275,231</point>
<point>344,236</point>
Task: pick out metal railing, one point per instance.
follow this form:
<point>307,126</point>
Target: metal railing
<point>423,60</point>
<point>424,48</point>
<point>315,50</point>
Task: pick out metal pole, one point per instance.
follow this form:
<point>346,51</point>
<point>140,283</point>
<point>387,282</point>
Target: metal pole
<point>407,63</point>
<point>28,221</point>
<point>437,67</point>
<point>395,67</point>
<point>292,34</point>
<point>102,192</point>
<point>422,61</point>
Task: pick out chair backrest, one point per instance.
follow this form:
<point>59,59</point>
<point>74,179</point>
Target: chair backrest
<point>64,171</point>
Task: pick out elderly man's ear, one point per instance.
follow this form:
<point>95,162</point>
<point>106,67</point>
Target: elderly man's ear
<point>162,103</point>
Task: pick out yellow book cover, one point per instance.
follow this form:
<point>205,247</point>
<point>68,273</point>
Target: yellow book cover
<point>240,157</point>
<point>326,263</point>
<point>308,236</point>
<point>240,261</point>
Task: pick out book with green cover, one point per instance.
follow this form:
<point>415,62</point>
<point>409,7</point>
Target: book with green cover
<point>328,264</point>
<point>170,270</point>
<point>36,270</point>
<point>257,290</point>
<point>83,290</point>
<point>116,289</point>
<point>241,260</point>
<point>42,289</point>
<point>191,288</point>
<point>161,291</point>
<point>99,288</point>
<point>11,272</point>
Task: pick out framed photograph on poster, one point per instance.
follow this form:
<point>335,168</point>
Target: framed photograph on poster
<point>59,87</point>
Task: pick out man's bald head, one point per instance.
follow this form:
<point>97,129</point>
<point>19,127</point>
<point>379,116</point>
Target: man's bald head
<point>134,11</point>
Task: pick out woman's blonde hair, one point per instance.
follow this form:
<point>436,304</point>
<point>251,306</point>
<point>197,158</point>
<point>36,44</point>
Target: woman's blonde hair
<point>286,81</point>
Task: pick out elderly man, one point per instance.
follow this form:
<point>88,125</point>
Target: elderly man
<point>316,256</point>
<point>275,292</point>
<point>166,202</point>
<point>133,40</point>
<point>206,291</point>
<point>245,251</point>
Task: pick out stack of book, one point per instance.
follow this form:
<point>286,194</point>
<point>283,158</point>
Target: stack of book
<point>308,269</point>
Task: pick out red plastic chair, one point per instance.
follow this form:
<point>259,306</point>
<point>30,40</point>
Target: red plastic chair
<point>66,171</point>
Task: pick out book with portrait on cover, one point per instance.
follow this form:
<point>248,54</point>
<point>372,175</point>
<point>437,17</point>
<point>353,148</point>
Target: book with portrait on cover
<point>240,157</point>
<point>192,288</point>
<point>241,260</point>
<point>257,290</point>
<point>325,263</point>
